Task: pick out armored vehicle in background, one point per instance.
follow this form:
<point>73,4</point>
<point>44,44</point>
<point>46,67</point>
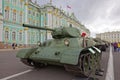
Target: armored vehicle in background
<point>107,44</point>
<point>67,48</point>
<point>100,44</point>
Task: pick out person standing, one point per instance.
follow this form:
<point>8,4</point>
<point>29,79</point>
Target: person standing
<point>16,45</point>
<point>115,45</point>
<point>118,46</point>
<point>13,45</point>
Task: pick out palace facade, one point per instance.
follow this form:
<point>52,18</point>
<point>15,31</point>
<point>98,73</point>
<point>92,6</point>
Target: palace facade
<point>110,36</point>
<point>17,12</point>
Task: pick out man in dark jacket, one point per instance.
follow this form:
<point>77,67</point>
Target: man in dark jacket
<point>13,45</point>
<point>115,46</point>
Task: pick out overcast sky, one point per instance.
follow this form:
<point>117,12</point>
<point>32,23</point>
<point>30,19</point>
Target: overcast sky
<point>97,15</point>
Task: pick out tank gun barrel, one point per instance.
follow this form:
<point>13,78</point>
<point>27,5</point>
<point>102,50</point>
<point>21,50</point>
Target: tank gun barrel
<point>37,27</point>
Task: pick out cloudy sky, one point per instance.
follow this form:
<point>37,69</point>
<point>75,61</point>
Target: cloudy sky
<point>97,15</point>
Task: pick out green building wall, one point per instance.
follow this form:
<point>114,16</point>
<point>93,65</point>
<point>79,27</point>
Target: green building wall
<point>11,26</point>
<point>33,14</point>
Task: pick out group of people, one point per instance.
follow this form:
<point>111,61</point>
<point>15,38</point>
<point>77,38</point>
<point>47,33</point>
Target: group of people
<point>116,46</point>
<point>14,45</point>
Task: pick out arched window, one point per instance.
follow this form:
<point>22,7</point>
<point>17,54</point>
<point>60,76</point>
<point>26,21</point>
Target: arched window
<point>70,25</point>
<point>14,15</point>
<point>21,3</point>
<point>13,36</point>
<point>6,35</point>
<point>7,12</point>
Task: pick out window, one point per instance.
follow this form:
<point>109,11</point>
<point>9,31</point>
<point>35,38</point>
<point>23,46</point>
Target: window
<point>28,36</point>
<point>20,36</point>
<point>37,14</point>
<point>7,14</point>
<point>29,20</point>
<point>33,13</point>
<point>14,15</point>
<point>13,36</point>
<point>37,23</point>
<point>21,3</point>
<point>29,12</point>
<point>70,25</point>
<point>45,19</point>
<point>6,35</point>
<point>7,1</point>
<point>15,2</point>
<point>21,17</point>
<point>33,36</point>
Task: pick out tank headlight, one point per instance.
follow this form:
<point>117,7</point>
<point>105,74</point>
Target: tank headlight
<point>39,43</point>
<point>66,42</point>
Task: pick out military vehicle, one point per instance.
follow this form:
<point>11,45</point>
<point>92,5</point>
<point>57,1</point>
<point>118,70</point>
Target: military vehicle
<point>106,43</point>
<point>68,48</point>
<point>100,44</point>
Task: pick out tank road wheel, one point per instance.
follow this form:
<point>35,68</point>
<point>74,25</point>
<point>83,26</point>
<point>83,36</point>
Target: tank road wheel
<point>97,59</point>
<point>91,62</point>
<point>86,65</point>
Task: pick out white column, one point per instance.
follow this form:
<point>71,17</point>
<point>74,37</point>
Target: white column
<point>1,22</point>
<point>26,20</point>
<point>26,37</point>
<point>50,20</point>
<point>0,6</point>
<point>26,11</point>
<point>1,28</point>
<point>1,33</point>
<point>48,17</point>
<point>54,20</point>
<point>58,21</point>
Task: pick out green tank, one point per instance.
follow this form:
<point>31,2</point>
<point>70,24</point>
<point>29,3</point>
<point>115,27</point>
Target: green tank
<point>100,44</point>
<point>67,48</point>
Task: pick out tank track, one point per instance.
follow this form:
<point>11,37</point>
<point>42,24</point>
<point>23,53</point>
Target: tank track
<point>87,64</point>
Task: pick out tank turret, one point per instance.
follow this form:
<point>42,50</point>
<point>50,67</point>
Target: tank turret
<point>60,32</point>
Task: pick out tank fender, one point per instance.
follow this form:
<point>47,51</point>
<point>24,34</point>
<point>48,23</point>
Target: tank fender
<point>91,50</point>
<point>25,53</point>
<point>70,56</point>
<point>98,50</point>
